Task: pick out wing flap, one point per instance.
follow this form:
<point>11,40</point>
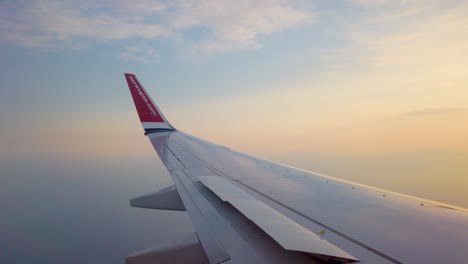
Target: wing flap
<point>283,230</point>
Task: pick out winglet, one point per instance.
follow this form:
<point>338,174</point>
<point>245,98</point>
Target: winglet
<point>151,117</point>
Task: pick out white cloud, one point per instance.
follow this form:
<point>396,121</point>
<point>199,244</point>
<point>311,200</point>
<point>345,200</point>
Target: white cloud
<point>62,24</point>
<point>404,36</point>
<point>228,24</point>
<point>138,53</point>
<point>238,23</point>
<point>387,61</point>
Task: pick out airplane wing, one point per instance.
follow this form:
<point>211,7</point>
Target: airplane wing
<point>249,210</point>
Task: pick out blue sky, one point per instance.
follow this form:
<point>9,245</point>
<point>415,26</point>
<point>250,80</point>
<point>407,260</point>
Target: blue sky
<point>392,75</point>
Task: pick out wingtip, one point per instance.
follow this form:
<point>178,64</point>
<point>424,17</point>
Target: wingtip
<point>151,117</point>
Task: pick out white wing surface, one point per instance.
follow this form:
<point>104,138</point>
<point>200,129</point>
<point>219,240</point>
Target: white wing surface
<point>250,210</point>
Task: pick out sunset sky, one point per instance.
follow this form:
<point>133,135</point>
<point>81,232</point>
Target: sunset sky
<point>374,91</point>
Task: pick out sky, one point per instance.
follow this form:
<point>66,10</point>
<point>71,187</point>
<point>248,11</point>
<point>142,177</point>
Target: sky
<point>351,80</point>
<point>370,91</point>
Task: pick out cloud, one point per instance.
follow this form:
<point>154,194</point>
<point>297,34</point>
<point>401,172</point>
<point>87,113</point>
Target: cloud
<point>227,25</point>
<point>63,24</point>
<point>400,54</point>
<point>435,111</point>
<point>140,54</point>
<point>388,34</point>
<point>236,24</point>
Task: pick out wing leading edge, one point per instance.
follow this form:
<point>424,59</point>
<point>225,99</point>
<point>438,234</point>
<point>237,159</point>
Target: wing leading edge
<point>249,210</point>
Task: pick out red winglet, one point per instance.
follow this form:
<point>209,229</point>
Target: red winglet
<point>150,115</point>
